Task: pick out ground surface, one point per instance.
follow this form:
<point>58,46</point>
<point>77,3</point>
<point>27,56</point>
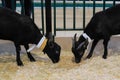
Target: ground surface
<point>95,68</point>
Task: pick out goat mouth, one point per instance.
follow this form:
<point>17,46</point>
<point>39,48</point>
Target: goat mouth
<point>77,60</point>
<point>55,61</point>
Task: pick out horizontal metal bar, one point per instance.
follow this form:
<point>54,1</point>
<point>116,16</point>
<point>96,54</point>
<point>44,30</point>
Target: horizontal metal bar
<point>67,29</point>
<point>38,4</point>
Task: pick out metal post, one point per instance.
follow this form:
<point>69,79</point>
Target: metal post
<point>55,17</point>
<point>74,14</point>
<point>113,2</point>
<point>32,9</point>
<point>48,18</point>
<point>64,14</point>
<point>22,7</point>
<point>94,7</point>
<point>13,4</point>
<point>42,14</point>
<point>3,3</point>
<point>84,14</point>
<point>104,2</point>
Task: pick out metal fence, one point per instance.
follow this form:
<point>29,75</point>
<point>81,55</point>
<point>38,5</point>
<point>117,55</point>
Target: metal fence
<point>76,9</point>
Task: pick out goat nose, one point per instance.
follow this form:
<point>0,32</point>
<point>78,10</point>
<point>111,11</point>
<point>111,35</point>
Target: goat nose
<point>55,61</point>
<point>77,60</point>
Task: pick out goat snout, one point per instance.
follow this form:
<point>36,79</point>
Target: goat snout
<point>77,60</point>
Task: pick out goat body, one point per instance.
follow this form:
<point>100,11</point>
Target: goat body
<point>103,25</point>
<point>22,31</point>
<point>17,28</point>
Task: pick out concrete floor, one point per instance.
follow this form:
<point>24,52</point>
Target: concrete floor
<point>65,43</point>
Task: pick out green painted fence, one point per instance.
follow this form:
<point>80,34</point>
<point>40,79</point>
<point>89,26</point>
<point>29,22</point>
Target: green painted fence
<point>75,6</point>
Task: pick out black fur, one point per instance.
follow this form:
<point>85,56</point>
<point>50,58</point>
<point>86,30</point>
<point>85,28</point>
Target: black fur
<point>22,31</point>
<point>103,25</point>
<point>27,5</point>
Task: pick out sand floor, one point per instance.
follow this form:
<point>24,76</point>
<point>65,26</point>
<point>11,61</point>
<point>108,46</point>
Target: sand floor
<point>95,68</point>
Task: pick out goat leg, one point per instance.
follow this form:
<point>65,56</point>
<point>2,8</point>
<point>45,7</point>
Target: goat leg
<point>92,48</point>
<point>19,62</point>
<point>29,54</point>
<point>105,43</point>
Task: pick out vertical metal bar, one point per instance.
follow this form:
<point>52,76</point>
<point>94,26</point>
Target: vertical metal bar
<point>42,16</point>
<point>113,2</point>
<point>74,14</point>
<point>55,17</point>
<point>64,14</point>
<point>3,3</point>
<point>83,14</point>
<point>94,7</point>
<point>13,4</point>
<point>104,5</point>
<point>22,7</point>
<point>48,17</point>
<point>32,8</point>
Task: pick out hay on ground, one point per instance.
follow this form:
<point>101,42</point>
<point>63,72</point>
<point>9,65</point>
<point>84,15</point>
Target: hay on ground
<point>95,68</point>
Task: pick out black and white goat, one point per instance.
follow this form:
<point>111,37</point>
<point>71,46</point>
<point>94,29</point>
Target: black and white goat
<point>22,31</point>
<point>103,25</point>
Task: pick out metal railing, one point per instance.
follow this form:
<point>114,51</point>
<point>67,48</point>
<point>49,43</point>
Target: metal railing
<point>76,8</point>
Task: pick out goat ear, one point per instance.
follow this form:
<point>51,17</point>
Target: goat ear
<point>75,37</point>
<point>73,43</point>
<point>50,40</point>
<point>50,37</point>
<point>51,43</point>
<point>74,40</point>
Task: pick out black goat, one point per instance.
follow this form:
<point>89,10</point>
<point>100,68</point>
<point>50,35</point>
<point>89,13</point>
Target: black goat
<point>22,31</point>
<point>103,25</point>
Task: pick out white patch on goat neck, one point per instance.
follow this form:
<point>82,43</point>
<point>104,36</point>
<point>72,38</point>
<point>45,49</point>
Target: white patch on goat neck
<point>38,45</point>
<point>86,37</point>
<point>31,48</point>
<point>40,42</point>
